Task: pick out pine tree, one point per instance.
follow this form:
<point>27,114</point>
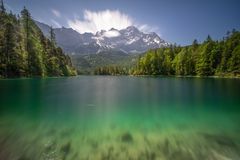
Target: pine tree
<point>24,51</point>
<point>2,8</point>
<point>195,44</point>
<point>206,59</point>
<point>52,36</point>
<point>25,15</point>
<point>8,46</point>
<point>209,39</point>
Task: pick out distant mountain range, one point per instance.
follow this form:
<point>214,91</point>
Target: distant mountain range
<point>129,40</point>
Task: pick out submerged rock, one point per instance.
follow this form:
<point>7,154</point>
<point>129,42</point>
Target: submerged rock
<point>50,146</point>
<point>108,154</point>
<point>65,149</point>
<point>92,143</point>
<point>166,149</point>
<point>50,150</point>
<point>127,137</point>
<point>149,155</point>
<point>23,158</point>
<point>180,155</point>
<point>220,140</point>
<point>146,140</point>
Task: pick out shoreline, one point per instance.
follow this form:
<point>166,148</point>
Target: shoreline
<point>157,76</point>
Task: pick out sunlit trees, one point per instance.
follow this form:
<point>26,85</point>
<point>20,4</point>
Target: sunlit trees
<point>52,38</point>
<point>111,70</point>
<point>206,59</point>
<point>24,51</point>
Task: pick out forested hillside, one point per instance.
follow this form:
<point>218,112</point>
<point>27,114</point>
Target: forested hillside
<point>220,58</point>
<point>93,63</point>
<point>25,52</point>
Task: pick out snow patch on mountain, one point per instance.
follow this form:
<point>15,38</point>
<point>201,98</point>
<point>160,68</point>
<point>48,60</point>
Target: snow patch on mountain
<point>130,40</point>
<point>111,33</point>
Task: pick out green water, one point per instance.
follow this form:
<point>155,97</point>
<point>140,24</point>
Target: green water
<point>107,117</point>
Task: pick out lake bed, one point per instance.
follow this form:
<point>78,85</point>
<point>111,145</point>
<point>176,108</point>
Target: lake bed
<point>120,117</point>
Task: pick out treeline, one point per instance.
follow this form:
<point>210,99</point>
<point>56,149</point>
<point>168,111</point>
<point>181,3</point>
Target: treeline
<point>111,70</point>
<point>210,58</point>
<point>221,58</point>
<point>25,52</point>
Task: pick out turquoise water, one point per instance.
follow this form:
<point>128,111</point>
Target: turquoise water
<point>120,117</point>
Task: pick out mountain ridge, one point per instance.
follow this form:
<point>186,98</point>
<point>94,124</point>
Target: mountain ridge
<point>129,40</point>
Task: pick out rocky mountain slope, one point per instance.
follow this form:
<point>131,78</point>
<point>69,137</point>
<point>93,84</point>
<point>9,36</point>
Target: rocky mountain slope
<point>128,40</point>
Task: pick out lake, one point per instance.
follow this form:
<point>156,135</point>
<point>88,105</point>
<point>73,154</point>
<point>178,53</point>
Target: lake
<point>120,117</point>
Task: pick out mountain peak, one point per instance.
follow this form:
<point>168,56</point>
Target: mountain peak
<point>101,32</point>
<point>113,29</point>
<point>129,40</point>
<point>131,28</point>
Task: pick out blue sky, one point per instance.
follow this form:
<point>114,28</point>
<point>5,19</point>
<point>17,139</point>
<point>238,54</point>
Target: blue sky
<point>176,21</point>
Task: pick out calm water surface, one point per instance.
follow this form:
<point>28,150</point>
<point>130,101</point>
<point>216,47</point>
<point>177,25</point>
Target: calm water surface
<point>107,117</point>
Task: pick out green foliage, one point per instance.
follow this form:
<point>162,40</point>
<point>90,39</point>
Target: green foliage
<point>87,64</point>
<point>111,70</point>
<point>181,62</point>
<point>221,58</point>
<point>234,62</point>
<point>24,51</point>
<point>206,59</point>
<point>52,37</point>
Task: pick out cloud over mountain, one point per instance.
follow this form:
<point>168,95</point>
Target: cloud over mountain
<point>128,40</point>
<point>101,20</point>
<point>56,13</point>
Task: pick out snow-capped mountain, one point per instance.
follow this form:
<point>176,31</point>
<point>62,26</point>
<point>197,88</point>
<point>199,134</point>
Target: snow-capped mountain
<point>129,40</point>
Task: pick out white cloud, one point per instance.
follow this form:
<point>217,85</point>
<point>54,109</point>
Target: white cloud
<point>147,28</point>
<point>56,13</point>
<point>105,20</point>
<point>55,23</point>
<point>102,20</point>
<point>111,34</point>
